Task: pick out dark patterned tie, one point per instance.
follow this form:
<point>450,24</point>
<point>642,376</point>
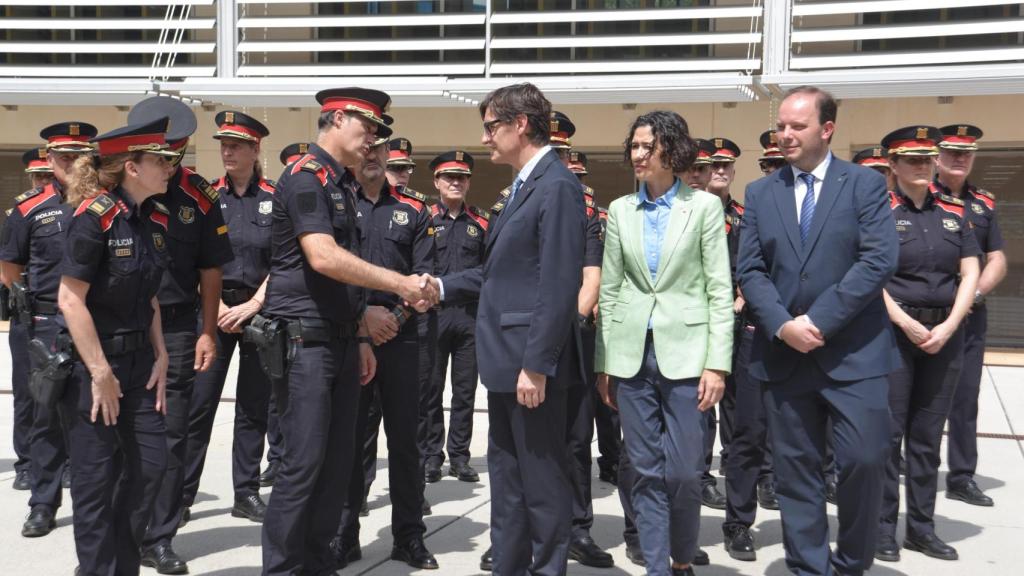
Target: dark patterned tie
<point>807,208</point>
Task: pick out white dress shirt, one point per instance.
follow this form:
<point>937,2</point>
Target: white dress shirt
<point>800,189</point>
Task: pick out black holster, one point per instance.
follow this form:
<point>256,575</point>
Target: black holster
<point>5,303</point>
<point>21,302</point>
<point>49,379</point>
<point>275,347</point>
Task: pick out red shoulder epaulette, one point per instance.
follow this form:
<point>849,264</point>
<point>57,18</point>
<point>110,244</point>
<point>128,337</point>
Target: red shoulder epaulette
<point>588,192</point>
<point>31,199</point>
<point>268,186</point>
<point>984,196</point>
<point>602,213</point>
<point>434,211</point>
<point>481,217</point>
<point>739,207</point>
<point>159,214</point>
<point>405,196</point>
<point>103,207</point>
<point>221,184</point>
<point>197,188</point>
<point>309,164</point>
<point>950,204</point>
<point>894,200</point>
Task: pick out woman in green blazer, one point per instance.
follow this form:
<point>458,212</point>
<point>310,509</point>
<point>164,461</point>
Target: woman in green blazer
<point>665,333</point>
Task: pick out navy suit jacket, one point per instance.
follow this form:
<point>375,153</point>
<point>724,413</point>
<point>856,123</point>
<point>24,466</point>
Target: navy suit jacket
<point>836,278</point>
<point>528,283</point>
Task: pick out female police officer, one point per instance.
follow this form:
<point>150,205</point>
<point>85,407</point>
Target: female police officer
<point>116,244</point>
<point>927,299</point>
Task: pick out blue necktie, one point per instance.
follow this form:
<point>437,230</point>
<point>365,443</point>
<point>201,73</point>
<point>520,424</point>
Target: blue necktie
<point>515,188</point>
<point>807,208</point>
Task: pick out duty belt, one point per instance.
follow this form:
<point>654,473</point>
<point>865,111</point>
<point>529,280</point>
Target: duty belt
<point>236,296</point>
<point>120,343</point>
<point>318,331</point>
<point>172,311</point>
<point>927,315</point>
<point>45,308</point>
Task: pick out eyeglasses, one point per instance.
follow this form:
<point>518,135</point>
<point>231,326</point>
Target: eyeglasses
<point>489,126</point>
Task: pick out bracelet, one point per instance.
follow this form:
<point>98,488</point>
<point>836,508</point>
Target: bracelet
<point>364,340</point>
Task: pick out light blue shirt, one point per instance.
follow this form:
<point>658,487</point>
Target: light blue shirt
<point>656,216</point>
<point>524,174</point>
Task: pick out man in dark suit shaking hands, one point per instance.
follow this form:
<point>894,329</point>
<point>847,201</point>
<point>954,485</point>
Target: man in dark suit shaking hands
<point>818,246</point>
<point>526,340</point>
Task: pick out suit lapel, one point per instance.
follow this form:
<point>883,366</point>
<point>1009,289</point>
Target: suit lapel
<point>835,178</point>
<point>785,201</point>
<point>635,237</point>
<point>524,192</point>
<point>678,219</point>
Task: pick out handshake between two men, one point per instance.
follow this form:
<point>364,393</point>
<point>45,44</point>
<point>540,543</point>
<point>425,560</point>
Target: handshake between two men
<point>418,292</point>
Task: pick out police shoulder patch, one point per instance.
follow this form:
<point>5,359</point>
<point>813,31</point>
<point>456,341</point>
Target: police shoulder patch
<point>8,211</point>
<point>504,193</point>
<point>480,216</point>
<point>409,196</point>
<point>308,164</point>
<point>480,212</point>
<point>199,182</point>
<point>588,191</point>
<point>984,193</point>
<point>497,206</point>
<point>268,186</point>
<point>951,199</point>
<point>985,197</point>
<point>27,195</point>
<point>103,207</point>
<point>950,204</point>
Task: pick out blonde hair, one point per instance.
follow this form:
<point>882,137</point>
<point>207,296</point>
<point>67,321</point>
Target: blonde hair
<point>90,175</point>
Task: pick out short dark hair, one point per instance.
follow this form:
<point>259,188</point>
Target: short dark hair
<point>828,108</point>
<point>508,102</point>
<point>672,136</point>
<point>326,120</point>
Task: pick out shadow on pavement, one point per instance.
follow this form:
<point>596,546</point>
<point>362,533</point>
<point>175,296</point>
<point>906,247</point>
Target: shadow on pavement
<point>200,543</point>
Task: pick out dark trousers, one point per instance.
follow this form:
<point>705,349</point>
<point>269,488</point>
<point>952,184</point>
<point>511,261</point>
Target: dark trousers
<point>609,434</point>
<point>252,399</point>
<point>317,406</point>
<point>627,479</point>
<point>962,451</point>
<point>275,442</point>
<point>397,387</point>
<point>531,492</point>
<point>749,460</point>
<point>47,446</point>
<point>24,407</point>
<point>663,432</point>
<point>456,326</point>
<point>117,469</point>
<point>180,339</point>
<point>579,435</point>
<point>920,394</point>
<point>798,411</point>
<point>708,446</point>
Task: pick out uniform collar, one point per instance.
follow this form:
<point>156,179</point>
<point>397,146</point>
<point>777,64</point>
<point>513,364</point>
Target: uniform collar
<point>964,192</point>
<point>251,190</point>
<point>929,199</point>
<point>129,205</point>
<point>444,210</point>
<point>334,170</point>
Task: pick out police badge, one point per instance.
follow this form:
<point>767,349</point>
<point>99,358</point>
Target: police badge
<point>266,206</point>
<point>400,218</point>
<point>186,214</point>
<point>158,241</point>
<point>950,224</point>
<point>977,208</point>
<point>472,231</point>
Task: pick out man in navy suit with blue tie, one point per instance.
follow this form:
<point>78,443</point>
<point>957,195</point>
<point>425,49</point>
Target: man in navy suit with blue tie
<point>818,246</point>
<point>527,340</point>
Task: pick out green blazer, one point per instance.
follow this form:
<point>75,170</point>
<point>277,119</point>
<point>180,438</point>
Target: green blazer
<point>689,307</point>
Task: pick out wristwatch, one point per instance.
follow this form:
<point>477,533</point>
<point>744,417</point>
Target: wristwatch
<point>979,298</point>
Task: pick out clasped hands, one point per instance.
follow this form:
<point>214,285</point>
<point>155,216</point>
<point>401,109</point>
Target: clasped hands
<point>421,291</point>
<point>802,335</point>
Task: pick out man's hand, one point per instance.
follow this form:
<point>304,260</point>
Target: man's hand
<point>367,364</point>
<point>801,335</point>
<point>710,389</point>
<point>233,318</point>
<point>915,331</point>
<point>420,292</point>
<point>206,351</point>
<point>158,378</point>
<point>530,388</point>
<point>738,304</point>
<point>606,388</point>
<point>106,396</point>
<point>937,338</point>
<point>381,324</point>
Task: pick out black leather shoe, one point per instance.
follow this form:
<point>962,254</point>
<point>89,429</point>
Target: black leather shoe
<point>415,554</point>
<point>487,561</point>
<point>22,480</point>
<point>464,472</point>
<point>969,493</point>
<point>65,477</point>
<point>344,553</point>
<point>586,552</point>
<point>712,498</point>
<point>930,545</point>
<point>609,475</point>
<point>40,522</point>
<point>251,507</point>
<point>887,550</point>
<point>739,543</point>
<point>831,492</point>
<point>635,555</point>
<point>432,472</point>
<point>163,558</point>
<point>688,571</point>
<point>766,496</point>
<point>269,475</point>
<point>701,558</point>
<point>426,510</point>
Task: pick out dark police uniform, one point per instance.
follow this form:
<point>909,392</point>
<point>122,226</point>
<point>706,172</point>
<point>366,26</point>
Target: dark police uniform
<point>196,240</point>
<point>34,237</point>
<point>249,219</point>
<point>460,245</point>
<point>980,210</point>
<point>609,431</point>
<point>396,233</point>
<point>318,400</point>
<point>933,240</point>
